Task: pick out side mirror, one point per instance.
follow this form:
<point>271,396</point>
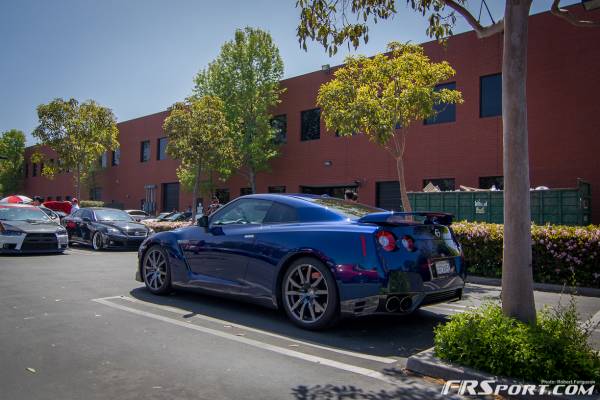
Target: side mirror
<point>203,221</point>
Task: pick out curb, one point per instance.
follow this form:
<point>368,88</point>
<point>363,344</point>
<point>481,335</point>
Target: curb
<point>542,287</point>
<point>426,363</point>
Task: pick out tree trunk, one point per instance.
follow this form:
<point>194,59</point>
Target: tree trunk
<point>195,193</point>
<point>252,179</point>
<point>78,183</point>
<point>403,195</point>
<point>517,277</point>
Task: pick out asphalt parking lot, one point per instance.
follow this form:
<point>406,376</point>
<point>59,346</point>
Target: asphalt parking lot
<point>78,326</point>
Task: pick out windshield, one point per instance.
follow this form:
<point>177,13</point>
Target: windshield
<point>112,215</point>
<point>347,209</point>
<point>23,214</point>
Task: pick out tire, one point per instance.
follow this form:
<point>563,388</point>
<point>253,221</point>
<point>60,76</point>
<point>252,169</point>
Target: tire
<point>155,259</point>
<point>309,294</point>
<point>97,244</point>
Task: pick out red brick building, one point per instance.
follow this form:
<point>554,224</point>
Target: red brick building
<point>462,147</point>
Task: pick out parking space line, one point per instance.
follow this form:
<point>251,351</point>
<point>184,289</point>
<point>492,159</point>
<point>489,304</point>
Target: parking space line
<point>384,360</point>
<point>255,343</point>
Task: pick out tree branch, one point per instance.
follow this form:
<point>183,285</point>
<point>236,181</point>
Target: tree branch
<point>481,31</point>
<point>567,16</point>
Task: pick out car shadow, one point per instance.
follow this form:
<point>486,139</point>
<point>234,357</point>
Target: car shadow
<point>377,335</point>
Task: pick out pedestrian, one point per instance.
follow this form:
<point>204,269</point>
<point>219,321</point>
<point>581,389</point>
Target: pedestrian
<point>214,205</point>
<point>74,205</point>
<point>37,201</point>
<point>199,209</point>
<point>349,195</point>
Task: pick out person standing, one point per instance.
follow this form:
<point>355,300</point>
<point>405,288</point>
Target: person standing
<point>74,205</point>
<point>214,205</point>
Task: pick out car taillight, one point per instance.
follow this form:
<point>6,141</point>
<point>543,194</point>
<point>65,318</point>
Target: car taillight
<point>386,240</point>
<point>408,243</point>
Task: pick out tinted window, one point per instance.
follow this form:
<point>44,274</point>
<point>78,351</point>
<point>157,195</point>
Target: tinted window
<point>490,95</point>
<point>145,151</point>
<point>347,209</point>
<point>112,215</point>
<point>22,214</point>
<point>280,213</point>
<point>162,149</point>
<point>310,121</point>
<point>444,112</point>
<point>116,157</point>
<point>87,214</point>
<point>34,169</point>
<point>279,123</point>
<point>245,211</point>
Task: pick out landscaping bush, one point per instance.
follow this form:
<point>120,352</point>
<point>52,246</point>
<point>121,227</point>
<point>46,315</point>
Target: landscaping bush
<point>561,254</point>
<point>557,348</point>
<point>165,226</point>
<point>91,203</point>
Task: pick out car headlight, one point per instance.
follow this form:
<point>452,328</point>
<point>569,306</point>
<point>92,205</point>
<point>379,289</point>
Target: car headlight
<point>9,231</point>
<point>113,230</point>
<point>61,231</point>
<point>150,231</point>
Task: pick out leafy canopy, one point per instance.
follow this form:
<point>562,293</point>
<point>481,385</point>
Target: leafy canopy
<point>78,133</point>
<point>245,76</point>
<point>12,148</point>
<point>373,95</point>
<point>199,137</point>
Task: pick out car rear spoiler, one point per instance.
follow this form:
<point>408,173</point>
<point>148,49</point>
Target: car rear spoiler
<point>400,218</point>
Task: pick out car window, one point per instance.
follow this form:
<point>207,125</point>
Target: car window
<point>112,215</point>
<point>77,213</point>
<point>280,213</point>
<point>245,211</point>
<point>86,214</point>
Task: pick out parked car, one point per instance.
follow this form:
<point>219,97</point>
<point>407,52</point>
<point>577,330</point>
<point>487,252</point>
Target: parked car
<point>318,258</point>
<point>138,215</point>
<point>105,228</point>
<point>160,217</point>
<point>178,217</point>
<point>27,229</point>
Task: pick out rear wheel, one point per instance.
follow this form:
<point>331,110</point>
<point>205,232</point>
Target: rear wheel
<point>309,294</point>
<point>155,270</point>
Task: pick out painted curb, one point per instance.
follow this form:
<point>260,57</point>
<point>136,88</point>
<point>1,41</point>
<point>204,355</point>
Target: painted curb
<point>542,287</point>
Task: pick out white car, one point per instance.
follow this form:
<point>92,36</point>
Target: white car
<point>138,215</point>
<point>27,229</point>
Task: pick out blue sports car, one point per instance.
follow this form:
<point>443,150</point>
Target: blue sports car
<point>316,257</point>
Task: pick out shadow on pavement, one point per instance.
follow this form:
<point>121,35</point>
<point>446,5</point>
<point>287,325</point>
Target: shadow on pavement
<point>380,335</point>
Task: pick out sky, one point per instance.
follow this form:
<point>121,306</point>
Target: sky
<point>138,57</point>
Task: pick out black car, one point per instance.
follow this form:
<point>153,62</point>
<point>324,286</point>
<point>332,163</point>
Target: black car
<point>105,228</point>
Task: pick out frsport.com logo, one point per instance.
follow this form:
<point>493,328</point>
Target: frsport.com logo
<point>492,387</point>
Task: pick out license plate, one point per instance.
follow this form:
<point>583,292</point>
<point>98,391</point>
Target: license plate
<point>442,267</point>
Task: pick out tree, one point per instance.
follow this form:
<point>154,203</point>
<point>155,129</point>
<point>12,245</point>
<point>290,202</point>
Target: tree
<point>78,133</point>
<point>374,95</point>
<point>327,22</point>
<point>246,77</point>
<point>12,148</point>
<point>199,137</point>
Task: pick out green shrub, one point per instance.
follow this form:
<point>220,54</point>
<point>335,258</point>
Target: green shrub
<point>557,348</point>
<point>91,203</point>
<point>561,254</point>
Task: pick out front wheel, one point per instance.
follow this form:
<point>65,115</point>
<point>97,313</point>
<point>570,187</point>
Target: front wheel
<point>155,271</point>
<point>309,294</point>
<point>97,241</point>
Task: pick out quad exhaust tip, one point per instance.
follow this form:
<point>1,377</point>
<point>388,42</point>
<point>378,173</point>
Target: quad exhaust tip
<point>398,304</point>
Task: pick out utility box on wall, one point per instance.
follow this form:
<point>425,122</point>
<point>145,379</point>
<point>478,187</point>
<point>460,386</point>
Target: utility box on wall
<point>571,206</point>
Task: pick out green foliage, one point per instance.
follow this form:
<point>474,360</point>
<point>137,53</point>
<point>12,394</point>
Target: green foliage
<point>556,348</point>
<point>78,133</point>
<point>200,137</point>
<point>246,77</point>
<point>12,148</point>
<point>91,203</point>
<point>329,21</point>
<point>560,254</point>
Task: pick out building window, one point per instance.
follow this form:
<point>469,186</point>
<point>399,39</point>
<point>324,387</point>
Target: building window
<point>276,189</point>
<point>222,195</point>
<point>34,169</point>
<point>279,123</point>
<point>104,160</point>
<point>245,191</point>
<point>444,112</point>
<point>444,184</point>
<point>310,121</point>
<point>161,154</point>
<point>96,193</point>
<point>26,169</point>
<point>116,157</point>
<point>145,151</point>
<point>491,182</point>
<point>490,95</point>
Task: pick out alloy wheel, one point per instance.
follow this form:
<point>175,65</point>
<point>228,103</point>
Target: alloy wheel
<point>155,269</point>
<point>306,293</point>
<point>97,241</point>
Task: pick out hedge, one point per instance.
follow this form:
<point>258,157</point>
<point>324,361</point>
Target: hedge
<point>91,203</point>
<point>561,254</point>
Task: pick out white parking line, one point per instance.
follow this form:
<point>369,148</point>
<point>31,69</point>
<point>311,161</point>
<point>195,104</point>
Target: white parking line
<point>384,360</point>
<point>255,343</point>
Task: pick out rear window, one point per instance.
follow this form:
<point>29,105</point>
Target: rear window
<point>346,209</point>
